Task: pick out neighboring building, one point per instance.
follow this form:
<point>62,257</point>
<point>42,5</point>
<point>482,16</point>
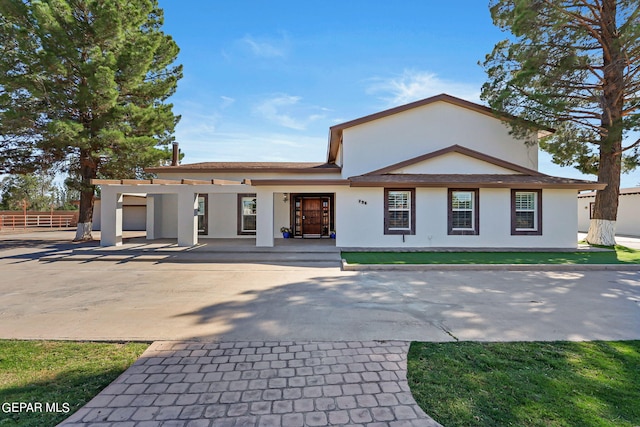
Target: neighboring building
<point>134,213</point>
<point>628,222</point>
<point>440,172</point>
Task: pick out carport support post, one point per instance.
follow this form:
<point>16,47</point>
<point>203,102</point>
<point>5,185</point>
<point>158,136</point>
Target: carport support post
<point>151,217</point>
<point>264,220</point>
<point>110,217</point>
<point>187,217</point>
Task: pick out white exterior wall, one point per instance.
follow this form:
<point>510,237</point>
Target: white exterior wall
<point>627,224</point>
<point>583,213</point>
<point>223,215</point>
<point>360,225</point>
<point>412,133</point>
<point>134,214</point>
<point>455,163</point>
<point>167,215</point>
<point>628,210</point>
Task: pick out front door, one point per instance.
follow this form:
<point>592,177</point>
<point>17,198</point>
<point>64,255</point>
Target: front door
<point>311,216</point>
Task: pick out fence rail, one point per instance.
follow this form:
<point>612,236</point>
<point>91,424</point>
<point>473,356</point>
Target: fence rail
<point>35,221</point>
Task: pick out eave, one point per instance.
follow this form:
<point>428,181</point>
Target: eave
<point>335,132</point>
<point>473,180</point>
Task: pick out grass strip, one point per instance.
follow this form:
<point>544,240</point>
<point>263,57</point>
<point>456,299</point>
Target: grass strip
<point>527,384</point>
<point>621,255</point>
<point>60,376</point>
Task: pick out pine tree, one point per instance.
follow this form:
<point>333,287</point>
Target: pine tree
<point>573,65</point>
<point>83,85</point>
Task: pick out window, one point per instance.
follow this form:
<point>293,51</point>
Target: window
<point>399,211</point>
<point>246,214</point>
<point>526,212</point>
<point>592,209</point>
<point>463,215</point>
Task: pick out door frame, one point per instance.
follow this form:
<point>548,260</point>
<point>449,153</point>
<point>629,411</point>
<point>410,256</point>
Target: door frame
<point>295,214</point>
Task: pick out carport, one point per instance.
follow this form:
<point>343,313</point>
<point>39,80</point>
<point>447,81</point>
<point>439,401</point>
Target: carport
<point>186,190</point>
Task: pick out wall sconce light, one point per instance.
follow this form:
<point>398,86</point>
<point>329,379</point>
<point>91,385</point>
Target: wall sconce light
<point>285,198</point>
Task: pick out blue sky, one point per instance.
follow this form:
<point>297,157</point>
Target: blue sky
<point>264,81</point>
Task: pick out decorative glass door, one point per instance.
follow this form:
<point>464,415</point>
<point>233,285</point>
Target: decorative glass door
<point>312,215</point>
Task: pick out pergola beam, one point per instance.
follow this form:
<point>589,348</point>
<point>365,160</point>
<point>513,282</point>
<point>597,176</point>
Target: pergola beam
<point>169,182</point>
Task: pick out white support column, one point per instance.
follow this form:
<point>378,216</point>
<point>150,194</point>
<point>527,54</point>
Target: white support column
<point>187,217</point>
<point>151,217</point>
<point>110,217</point>
<point>264,221</point>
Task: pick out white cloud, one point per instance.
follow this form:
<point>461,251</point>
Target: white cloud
<point>226,101</point>
<point>413,85</point>
<point>267,47</point>
<point>286,110</point>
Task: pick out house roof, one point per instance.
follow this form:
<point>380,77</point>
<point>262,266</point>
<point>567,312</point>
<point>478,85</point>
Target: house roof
<point>460,150</point>
<point>473,180</point>
<point>623,192</point>
<point>212,167</point>
<point>335,132</point>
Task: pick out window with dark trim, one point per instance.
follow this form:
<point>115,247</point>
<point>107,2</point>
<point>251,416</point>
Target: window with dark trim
<point>526,212</point>
<point>247,210</point>
<point>463,214</point>
<point>399,211</point>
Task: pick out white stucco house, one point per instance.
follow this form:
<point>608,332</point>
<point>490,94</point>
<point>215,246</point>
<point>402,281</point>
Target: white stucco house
<point>440,172</point>
<point>627,223</point>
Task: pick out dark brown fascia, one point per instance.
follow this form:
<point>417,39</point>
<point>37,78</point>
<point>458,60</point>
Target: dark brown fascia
<point>573,185</point>
<point>623,192</point>
<point>461,150</point>
<point>335,132</point>
<point>298,182</point>
<point>312,168</point>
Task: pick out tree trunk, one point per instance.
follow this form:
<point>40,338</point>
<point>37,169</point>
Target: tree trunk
<point>85,216</point>
<point>602,226</point>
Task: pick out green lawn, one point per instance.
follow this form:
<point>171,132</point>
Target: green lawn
<point>621,255</point>
<point>60,374</point>
<point>527,384</point>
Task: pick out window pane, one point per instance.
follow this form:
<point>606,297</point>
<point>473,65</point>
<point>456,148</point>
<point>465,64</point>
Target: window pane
<point>248,206</point>
<point>398,200</point>
<point>525,220</point>
<point>462,200</point>
<point>462,219</point>
<point>249,214</point>
<point>248,223</point>
<point>399,219</point>
<point>525,201</point>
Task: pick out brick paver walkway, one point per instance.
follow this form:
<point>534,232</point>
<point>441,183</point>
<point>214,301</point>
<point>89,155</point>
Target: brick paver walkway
<point>284,384</point>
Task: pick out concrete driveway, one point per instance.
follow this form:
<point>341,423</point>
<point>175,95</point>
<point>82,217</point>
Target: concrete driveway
<point>200,301</point>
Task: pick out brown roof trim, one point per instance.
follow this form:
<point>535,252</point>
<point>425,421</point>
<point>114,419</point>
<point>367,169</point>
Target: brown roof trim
<point>474,180</point>
<point>623,192</point>
<point>279,167</point>
<point>461,150</point>
<point>335,132</point>
<point>297,182</point>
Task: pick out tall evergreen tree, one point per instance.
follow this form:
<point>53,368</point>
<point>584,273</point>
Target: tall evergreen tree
<point>83,84</point>
<point>573,65</point>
